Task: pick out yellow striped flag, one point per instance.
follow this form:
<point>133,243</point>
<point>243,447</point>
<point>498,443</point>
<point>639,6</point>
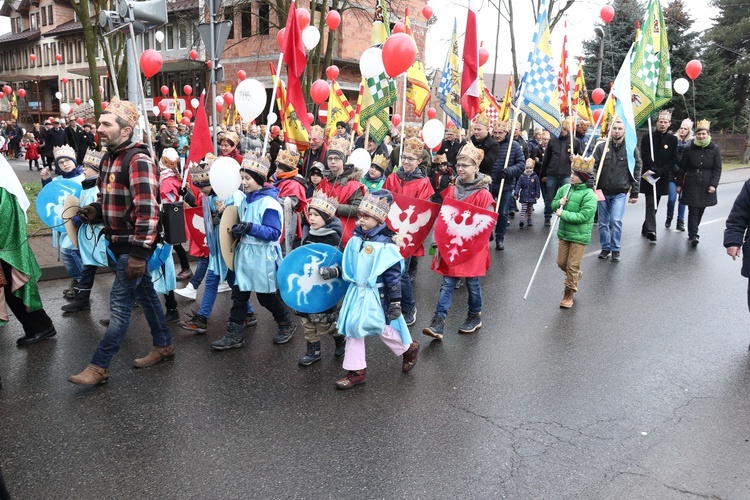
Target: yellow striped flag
<point>580,100</point>
<point>177,113</point>
<point>417,88</point>
<point>356,127</point>
<point>505,106</point>
<point>294,131</point>
<point>339,109</point>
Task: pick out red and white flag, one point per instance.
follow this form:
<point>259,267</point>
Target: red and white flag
<point>460,229</point>
<point>197,232</point>
<point>201,142</point>
<point>411,219</point>
<point>471,92</point>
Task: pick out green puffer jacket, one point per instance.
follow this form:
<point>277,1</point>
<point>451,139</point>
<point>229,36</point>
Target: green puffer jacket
<point>577,218</point>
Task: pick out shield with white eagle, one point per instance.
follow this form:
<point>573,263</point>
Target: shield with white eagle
<point>461,229</point>
<point>411,219</point>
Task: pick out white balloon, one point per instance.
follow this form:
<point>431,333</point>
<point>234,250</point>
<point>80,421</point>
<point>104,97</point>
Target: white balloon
<point>91,102</point>
<point>371,63</point>
<point>310,37</point>
<point>225,176</point>
<point>433,132</point>
<point>272,118</point>
<point>681,85</point>
<point>220,100</point>
<point>360,158</point>
<point>194,103</point>
<point>159,35</point>
<point>65,108</point>
<point>155,110</point>
<point>58,95</point>
<point>250,99</point>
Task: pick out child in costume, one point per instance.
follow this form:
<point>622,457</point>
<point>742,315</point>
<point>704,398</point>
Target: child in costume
<point>292,196</point>
<point>324,227</point>
<point>575,204</point>
<point>375,177</point>
<point>32,150</point>
<point>441,176</point>
<point>257,257</point>
<point>314,175</point>
<point>373,266</point>
<point>65,160</point>
<point>528,192</point>
<point>471,187</point>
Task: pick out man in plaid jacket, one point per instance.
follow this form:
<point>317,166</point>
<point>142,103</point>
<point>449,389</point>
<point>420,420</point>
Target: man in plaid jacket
<point>128,206</point>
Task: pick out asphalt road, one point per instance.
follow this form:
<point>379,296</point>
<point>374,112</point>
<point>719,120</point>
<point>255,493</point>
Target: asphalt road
<point>639,391</point>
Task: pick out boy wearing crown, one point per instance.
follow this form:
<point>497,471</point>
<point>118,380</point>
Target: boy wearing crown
<point>292,196</point>
<point>257,257</point>
<point>575,204</point>
<point>375,177</point>
<point>373,266</point>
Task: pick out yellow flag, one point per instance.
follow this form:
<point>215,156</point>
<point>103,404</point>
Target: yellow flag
<point>177,113</point>
<point>339,109</point>
<point>581,97</point>
<point>505,106</point>
<point>294,131</point>
<point>14,107</point>
<point>417,88</point>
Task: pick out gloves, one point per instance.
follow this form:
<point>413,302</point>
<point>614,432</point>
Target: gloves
<point>183,191</point>
<point>329,273</point>
<point>241,229</point>
<point>501,175</point>
<point>394,311</point>
<point>135,268</point>
<point>77,222</point>
<point>87,213</point>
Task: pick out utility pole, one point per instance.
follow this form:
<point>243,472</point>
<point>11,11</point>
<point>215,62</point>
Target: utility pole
<point>600,32</point>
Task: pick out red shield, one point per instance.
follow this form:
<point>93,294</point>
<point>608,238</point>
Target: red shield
<point>411,219</point>
<point>461,229</point>
<point>196,231</point>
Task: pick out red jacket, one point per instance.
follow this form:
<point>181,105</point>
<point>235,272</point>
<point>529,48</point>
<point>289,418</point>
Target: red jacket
<point>32,150</point>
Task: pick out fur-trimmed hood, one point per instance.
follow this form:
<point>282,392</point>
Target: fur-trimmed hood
<point>349,174</point>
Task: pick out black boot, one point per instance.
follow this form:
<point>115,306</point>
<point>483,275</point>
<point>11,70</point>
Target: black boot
<point>340,345</point>
<point>312,355</point>
<point>79,303</point>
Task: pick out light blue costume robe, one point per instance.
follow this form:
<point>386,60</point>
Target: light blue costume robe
<point>60,239</point>
<point>161,267</point>
<point>91,241</point>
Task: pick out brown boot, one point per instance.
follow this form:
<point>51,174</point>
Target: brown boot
<point>410,357</point>
<point>91,375</point>
<point>155,355</point>
<point>567,301</point>
<point>352,378</point>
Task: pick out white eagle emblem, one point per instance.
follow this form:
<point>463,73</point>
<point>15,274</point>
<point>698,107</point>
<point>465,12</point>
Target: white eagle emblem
<point>405,228</point>
<point>462,226</point>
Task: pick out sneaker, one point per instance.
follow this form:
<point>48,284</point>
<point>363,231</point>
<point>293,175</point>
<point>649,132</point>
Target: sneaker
<point>472,323</point>
<point>286,331</point>
<point>172,316</point>
<point>223,287</point>
<point>312,355</point>
<point>547,222</point>
<point>499,245</point>
<point>185,275</point>
<point>680,225</point>
<point>196,323</point>
<point>435,330</point>
<point>651,237</point>
<point>233,338</point>
<point>603,254</point>
<point>410,357</point>
<point>520,224</point>
<point>411,318</point>
<point>352,378</point>
<point>694,240</point>
<point>189,292</point>
<point>529,223</point>
<point>668,222</point>
<point>251,319</point>
<point>615,256</point>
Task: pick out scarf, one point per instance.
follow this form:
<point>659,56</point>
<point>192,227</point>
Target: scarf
<point>464,190</point>
<point>73,173</point>
<point>404,176</point>
<point>286,174</point>
<point>367,176</point>
<point>702,143</point>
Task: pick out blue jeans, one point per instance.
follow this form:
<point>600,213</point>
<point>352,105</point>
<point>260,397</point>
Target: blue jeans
<point>671,202</point>
<point>502,219</point>
<point>71,260</point>
<point>446,296</point>
<point>124,293</point>
<point>611,211</point>
<point>210,292</point>
<point>407,294</point>
<point>554,182</point>
<point>200,272</point>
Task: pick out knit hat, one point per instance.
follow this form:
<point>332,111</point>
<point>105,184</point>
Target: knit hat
<point>414,146</point>
<point>326,206</point>
<point>60,152</point>
<point>315,169</point>
<point>339,147</point>
<point>380,162</point>
<point>93,159</point>
<point>376,204</point>
<point>287,160</point>
<point>256,167</point>
<point>476,155</point>
<point>125,110</point>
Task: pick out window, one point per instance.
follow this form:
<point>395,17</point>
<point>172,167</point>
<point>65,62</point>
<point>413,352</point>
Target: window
<point>25,58</point>
<point>146,41</point>
<point>32,21</point>
<point>37,20</point>
<point>182,33</point>
<point>80,89</point>
<point>50,19</point>
<point>245,22</point>
<point>61,51</point>
<point>70,52</point>
<point>46,54</point>
<point>170,37</point>
<point>229,16</point>
<point>44,16</point>
<point>79,51</point>
<point>264,13</point>
<point>13,25</point>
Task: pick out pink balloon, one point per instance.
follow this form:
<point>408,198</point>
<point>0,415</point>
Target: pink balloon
<point>303,18</point>
<point>396,120</point>
<point>281,38</point>
<point>151,62</point>
<point>2,95</point>
<point>22,93</point>
<point>78,101</point>
<point>187,89</point>
<point>333,19</point>
<point>162,105</point>
<point>431,113</point>
<point>105,104</point>
<point>241,75</point>
<point>58,57</point>
<point>164,90</point>
<point>484,56</point>
<point>399,52</point>
<point>79,120</point>
<point>399,27</point>
<point>32,57</point>
<point>185,121</point>
<point>228,98</point>
<point>64,80</point>
<point>187,114</point>
<point>607,13</point>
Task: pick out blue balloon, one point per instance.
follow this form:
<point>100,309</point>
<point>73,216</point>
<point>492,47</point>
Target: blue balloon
<point>302,288</point>
<point>50,201</point>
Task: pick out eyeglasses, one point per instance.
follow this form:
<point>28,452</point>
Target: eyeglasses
<point>463,166</point>
<point>408,158</point>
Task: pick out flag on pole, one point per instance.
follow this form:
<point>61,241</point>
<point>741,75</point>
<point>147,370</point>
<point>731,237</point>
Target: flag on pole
<point>356,127</point>
<point>580,102</point>
<point>14,106</point>
<point>381,27</point>
<point>505,106</point>
<point>417,88</point>
<point>177,113</point>
<point>201,142</point>
<point>622,93</point>
<point>296,61</point>
<point>539,95</point>
<point>470,91</point>
<point>294,130</point>
<point>339,109</point>
<point>651,75</point>
<point>491,108</point>
<point>449,91</point>
<point>563,85</point>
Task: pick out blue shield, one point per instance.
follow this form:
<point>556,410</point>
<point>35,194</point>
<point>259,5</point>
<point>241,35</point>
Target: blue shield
<point>302,288</point>
<point>50,201</point>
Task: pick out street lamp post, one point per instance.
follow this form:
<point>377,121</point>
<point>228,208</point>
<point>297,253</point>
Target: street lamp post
<point>599,31</point>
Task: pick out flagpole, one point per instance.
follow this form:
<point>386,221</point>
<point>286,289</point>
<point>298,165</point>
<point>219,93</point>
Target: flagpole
<point>403,124</point>
<point>507,154</point>
<point>273,101</point>
<point>604,153</point>
<point>597,125</point>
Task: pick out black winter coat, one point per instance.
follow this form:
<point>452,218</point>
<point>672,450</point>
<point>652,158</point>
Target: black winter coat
<point>664,164</point>
<point>557,156</point>
<point>699,169</point>
<point>738,223</point>
<point>491,152</point>
<point>516,166</point>
<point>615,177</point>
<point>451,149</point>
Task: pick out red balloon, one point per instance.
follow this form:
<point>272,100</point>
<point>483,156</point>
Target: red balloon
<point>164,90</point>
<point>281,38</point>
<point>64,80</point>
<point>437,147</point>
<point>310,117</point>
<point>607,13</point>
<point>105,104</point>
<point>167,116</point>
<point>228,98</point>
<point>193,54</point>
<point>78,101</point>
<point>210,64</point>
<point>58,57</point>
<point>399,27</point>
<point>332,72</point>
<point>219,107</point>
<point>427,11</point>
<point>598,95</point>
<point>7,89</point>
<point>399,52</point>
<point>241,75</point>
<point>596,114</point>
<point>162,106</point>
<point>187,89</point>
<point>187,113</point>
<point>484,56</point>
<point>101,90</point>
<point>32,57</point>
<point>185,121</point>
<point>693,69</point>
<point>303,18</point>
<point>319,91</point>
<point>79,120</point>
<point>431,113</point>
<point>70,112</point>
<point>333,19</point>
<point>396,120</point>
<point>151,62</point>
<point>22,93</point>
<point>2,95</point>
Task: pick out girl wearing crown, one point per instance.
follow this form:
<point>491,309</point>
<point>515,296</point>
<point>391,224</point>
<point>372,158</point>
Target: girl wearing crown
<point>292,196</point>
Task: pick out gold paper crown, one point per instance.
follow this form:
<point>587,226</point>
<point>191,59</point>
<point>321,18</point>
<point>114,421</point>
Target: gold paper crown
<point>441,158</point>
<point>339,144</point>
<point>376,204</point>
<point>231,137</point>
<point>93,158</point>
<point>287,158</point>
<point>125,110</point>
<point>665,114</point>
<point>474,154</point>
<point>412,131</point>
<point>585,165</point>
<point>323,203</point>
<point>500,126</point>
<point>482,119</point>
<point>60,152</point>
<point>414,146</point>
<point>381,162</point>
<point>209,160</point>
<point>255,164</point>
<point>199,174</point>
<point>317,131</point>
<point>703,125</point>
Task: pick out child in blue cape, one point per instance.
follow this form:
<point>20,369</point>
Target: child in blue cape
<point>373,266</point>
